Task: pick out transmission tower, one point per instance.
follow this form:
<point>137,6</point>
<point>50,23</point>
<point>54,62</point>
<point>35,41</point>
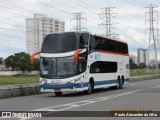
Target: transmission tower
<point>153,46</point>
<point>78,18</point>
<point>108,24</point>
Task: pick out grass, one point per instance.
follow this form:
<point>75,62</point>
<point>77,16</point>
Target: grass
<point>10,80</point>
<point>143,72</point>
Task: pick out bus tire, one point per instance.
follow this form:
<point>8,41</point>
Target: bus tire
<point>58,93</point>
<point>90,88</point>
<point>121,83</point>
<point>118,84</point>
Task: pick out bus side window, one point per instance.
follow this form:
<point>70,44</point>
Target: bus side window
<point>81,42</point>
<point>92,43</point>
<point>103,67</point>
<point>99,43</point>
<point>82,66</point>
<point>94,68</point>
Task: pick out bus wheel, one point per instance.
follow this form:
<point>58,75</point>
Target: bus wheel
<point>121,83</point>
<point>118,84</point>
<point>90,88</point>
<point>58,93</point>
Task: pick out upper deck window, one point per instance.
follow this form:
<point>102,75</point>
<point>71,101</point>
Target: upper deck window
<point>100,43</point>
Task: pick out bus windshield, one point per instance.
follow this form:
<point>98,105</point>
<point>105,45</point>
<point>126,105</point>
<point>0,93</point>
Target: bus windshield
<point>60,43</point>
<point>57,67</point>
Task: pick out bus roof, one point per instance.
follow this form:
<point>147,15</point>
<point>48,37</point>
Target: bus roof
<point>70,32</point>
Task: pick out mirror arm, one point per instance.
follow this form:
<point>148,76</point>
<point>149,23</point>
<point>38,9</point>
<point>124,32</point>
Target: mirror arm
<point>32,57</point>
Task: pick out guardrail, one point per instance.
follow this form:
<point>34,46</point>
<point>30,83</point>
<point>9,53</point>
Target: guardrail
<point>32,89</point>
<point>141,78</point>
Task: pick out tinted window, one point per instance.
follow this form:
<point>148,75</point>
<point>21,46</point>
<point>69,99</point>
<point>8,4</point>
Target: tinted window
<point>83,42</point>
<point>99,43</point>
<point>59,43</point>
<point>92,43</point>
<point>103,67</point>
<point>82,62</point>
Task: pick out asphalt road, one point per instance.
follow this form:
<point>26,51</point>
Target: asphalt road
<point>143,95</point>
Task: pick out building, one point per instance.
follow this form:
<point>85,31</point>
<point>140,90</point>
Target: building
<point>37,28</point>
<point>134,58</point>
<point>142,56</point>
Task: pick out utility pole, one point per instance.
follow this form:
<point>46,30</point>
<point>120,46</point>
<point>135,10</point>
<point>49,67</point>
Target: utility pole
<point>108,24</point>
<point>153,46</point>
<point>78,18</point>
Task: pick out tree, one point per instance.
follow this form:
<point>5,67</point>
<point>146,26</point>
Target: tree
<point>19,61</point>
<point>0,61</point>
<point>132,64</point>
<point>36,64</point>
<point>10,62</point>
<point>142,65</point>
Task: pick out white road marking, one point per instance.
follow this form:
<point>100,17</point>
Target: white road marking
<point>81,103</point>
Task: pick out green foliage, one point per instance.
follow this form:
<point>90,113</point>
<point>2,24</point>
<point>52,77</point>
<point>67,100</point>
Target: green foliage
<point>132,64</point>
<point>36,64</point>
<point>9,61</point>
<point>0,61</point>
<point>21,61</point>
<point>142,66</point>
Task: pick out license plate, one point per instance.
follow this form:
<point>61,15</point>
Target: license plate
<point>57,90</point>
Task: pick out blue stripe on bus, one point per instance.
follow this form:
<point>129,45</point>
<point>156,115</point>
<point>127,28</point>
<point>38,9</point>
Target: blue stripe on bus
<point>67,86</point>
<point>80,85</point>
<point>96,83</point>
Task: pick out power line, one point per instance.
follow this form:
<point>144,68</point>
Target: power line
<point>16,30</point>
<point>52,7</point>
<point>87,5</point>
<point>83,6</point>
<point>17,7</point>
<point>62,3</point>
<point>45,5</point>
<point>121,9</point>
<point>12,30</point>
<point>11,13</point>
<point>12,24</point>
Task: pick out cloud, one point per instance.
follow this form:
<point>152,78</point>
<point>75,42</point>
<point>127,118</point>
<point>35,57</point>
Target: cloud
<point>131,19</point>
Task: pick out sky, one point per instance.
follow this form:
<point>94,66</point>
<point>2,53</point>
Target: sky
<point>129,22</point>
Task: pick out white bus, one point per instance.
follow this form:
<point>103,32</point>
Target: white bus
<point>80,61</point>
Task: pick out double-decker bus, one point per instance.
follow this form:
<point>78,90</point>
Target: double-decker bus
<point>80,61</point>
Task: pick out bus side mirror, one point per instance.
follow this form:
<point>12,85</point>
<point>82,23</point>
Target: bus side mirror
<point>32,57</point>
<point>76,54</point>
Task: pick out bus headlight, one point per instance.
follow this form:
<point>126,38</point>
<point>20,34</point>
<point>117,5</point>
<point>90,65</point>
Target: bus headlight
<point>75,80</point>
<point>43,81</point>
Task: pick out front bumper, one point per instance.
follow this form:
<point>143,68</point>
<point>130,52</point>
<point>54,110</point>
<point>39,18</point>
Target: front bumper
<point>64,88</point>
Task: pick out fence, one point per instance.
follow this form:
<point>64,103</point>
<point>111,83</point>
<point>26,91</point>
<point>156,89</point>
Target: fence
<point>18,72</point>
